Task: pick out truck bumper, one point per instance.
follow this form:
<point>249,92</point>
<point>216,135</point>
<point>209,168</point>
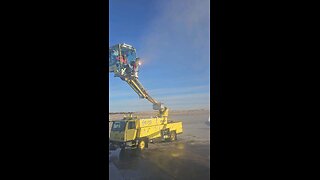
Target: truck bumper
<point>116,144</point>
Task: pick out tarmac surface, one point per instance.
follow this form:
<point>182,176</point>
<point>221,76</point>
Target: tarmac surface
<point>186,158</point>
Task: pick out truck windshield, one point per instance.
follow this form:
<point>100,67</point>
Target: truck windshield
<point>118,126</point>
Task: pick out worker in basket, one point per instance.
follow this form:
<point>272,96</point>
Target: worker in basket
<point>123,64</point>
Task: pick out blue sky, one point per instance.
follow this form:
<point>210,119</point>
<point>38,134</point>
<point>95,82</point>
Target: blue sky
<point>172,40</point>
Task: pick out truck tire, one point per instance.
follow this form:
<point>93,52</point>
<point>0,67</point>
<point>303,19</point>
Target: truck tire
<point>173,136</point>
<point>142,144</point>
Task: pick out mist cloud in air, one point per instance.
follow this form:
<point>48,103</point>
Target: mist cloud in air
<point>172,39</point>
<point>179,32</point>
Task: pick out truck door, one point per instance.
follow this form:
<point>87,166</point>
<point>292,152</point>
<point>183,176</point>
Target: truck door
<point>131,131</point>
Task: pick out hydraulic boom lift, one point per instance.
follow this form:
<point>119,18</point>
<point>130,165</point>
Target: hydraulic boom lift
<point>124,64</point>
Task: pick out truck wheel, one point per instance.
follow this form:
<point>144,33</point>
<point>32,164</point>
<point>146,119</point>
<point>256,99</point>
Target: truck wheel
<point>142,144</point>
<point>173,136</point>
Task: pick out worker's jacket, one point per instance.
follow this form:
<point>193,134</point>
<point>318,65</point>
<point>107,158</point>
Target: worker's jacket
<point>122,60</point>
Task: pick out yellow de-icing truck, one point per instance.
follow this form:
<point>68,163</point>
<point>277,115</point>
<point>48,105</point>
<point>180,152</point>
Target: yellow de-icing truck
<point>132,131</point>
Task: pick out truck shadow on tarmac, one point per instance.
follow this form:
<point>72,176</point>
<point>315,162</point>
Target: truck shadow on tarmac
<point>129,155</point>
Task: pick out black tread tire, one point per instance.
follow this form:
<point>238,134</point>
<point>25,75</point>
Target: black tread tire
<point>145,144</point>
<point>173,136</point>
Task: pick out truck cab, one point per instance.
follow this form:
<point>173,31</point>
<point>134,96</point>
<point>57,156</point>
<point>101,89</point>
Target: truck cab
<point>123,133</point>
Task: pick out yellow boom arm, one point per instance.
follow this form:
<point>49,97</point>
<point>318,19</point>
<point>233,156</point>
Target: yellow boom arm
<point>138,88</point>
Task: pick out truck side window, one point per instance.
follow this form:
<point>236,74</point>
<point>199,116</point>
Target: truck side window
<point>131,125</point>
